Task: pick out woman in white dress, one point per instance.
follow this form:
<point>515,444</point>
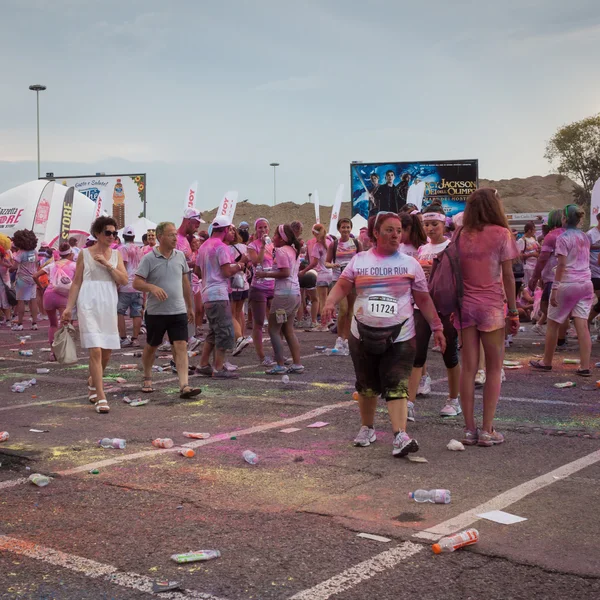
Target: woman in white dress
<point>99,271</point>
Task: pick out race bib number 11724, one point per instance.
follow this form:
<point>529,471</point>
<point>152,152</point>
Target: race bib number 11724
<point>382,306</point>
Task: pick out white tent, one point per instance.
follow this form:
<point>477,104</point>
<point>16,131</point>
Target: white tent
<point>38,205</point>
<point>358,222</point>
<point>140,226</point>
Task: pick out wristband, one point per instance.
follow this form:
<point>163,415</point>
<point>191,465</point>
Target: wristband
<point>513,311</point>
<point>513,317</point>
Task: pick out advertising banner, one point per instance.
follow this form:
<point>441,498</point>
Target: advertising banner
<point>66,215</point>
<point>124,194</point>
<point>228,204</point>
<point>190,197</point>
<point>42,212</point>
<point>391,185</point>
<point>335,210</point>
<point>315,197</point>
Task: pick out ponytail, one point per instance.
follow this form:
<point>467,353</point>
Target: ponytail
<point>291,240</point>
<point>418,237</point>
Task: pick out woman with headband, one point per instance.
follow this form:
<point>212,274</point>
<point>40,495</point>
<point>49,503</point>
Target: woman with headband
<point>318,262</point>
<point>260,252</point>
<point>572,291</point>
<point>60,277</point>
<point>286,299</point>
<point>434,220</point>
<point>486,250</point>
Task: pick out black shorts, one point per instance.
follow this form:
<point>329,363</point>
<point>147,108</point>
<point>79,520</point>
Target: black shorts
<point>596,283</point>
<point>386,374</point>
<point>175,326</point>
<point>308,281</point>
<point>546,292</point>
<point>237,295</point>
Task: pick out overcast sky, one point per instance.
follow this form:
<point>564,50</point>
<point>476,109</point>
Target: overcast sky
<point>216,91</point>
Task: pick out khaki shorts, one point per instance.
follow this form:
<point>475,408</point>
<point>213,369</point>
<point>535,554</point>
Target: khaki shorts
<point>289,304</point>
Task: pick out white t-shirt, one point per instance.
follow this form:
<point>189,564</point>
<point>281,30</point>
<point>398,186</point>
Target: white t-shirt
<point>594,236</point>
<point>285,257</point>
<point>430,251</point>
<point>409,250</point>
<point>343,255</point>
<point>319,252</point>
<point>384,286</point>
<point>524,244</point>
<point>132,256</point>
<point>575,246</point>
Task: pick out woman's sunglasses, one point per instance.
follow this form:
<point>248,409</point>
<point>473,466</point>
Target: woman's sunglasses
<point>108,232</point>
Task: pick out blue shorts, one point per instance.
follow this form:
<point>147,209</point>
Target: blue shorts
<point>25,291</point>
<point>132,301</point>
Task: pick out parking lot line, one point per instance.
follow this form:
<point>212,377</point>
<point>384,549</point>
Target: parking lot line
<point>507,498</point>
<point>360,572</point>
<point>527,400</point>
<point>94,569</point>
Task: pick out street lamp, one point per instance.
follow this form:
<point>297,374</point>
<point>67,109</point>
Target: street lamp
<point>274,165</point>
<point>37,89</point>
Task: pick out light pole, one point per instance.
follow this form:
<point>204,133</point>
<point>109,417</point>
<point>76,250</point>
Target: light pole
<point>37,89</point>
<point>274,165</point>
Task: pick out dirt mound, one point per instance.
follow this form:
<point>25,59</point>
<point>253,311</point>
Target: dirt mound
<point>533,194</point>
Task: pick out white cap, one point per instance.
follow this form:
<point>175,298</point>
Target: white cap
<point>192,213</point>
<point>221,222</point>
<point>129,230</point>
<point>91,238</point>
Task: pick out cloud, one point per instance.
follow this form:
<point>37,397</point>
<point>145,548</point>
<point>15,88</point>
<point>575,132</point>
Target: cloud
<point>292,84</point>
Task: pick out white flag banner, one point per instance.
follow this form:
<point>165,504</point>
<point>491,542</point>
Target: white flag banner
<point>335,211</point>
<point>595,208</point>
<point>316,201</point>
<point>190,198</point>
<point>42,211</point>
<point>100,203</point>
<point>228,204</point>
<point>415,194</point>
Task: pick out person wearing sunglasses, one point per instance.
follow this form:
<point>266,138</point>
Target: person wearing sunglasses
<point>99,271</point>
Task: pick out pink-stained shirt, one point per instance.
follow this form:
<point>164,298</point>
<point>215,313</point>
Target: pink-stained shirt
<point>286,259</point>
<point>261,283</point>
<point>549,245</point>
<point>427,252</point>
<point>212,255</point>
<point>575,245</point>
<point>409,250</point>
<point>528,244</point>
<point>384,286</point>
<point>319,252</point>
<point>132,255</point>
<point>66,266</point>
<point>146,249</point>
<point>28,266</point>
<point>481,256</point>
<point>184,245</point>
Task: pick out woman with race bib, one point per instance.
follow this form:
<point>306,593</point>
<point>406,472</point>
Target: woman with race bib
<point>382,343</point>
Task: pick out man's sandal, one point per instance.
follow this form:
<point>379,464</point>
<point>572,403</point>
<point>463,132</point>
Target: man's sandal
<point>187,392</point>
<point>102,406</point>
<point>147,386</point>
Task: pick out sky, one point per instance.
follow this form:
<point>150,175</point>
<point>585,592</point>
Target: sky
<point>215,91</point>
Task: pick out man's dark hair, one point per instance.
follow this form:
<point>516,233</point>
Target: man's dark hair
<point>128,238</point>
<point>72,241</point>
<point>145,238</point>
<point>390,171</point>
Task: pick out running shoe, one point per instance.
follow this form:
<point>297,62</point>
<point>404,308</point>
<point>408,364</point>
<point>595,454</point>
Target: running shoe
<point>17,328</point>
<point>277,370</point>
<point>539,329</point>
<point>241,343</point>
<point>489,439</point>
<point>143,330</point>
<point>297,369</point>
<point>411,411</point>
<point>366,436</point>
<point>135,343</point>
<point>480,378</point>
<point>451,408</point>
<point>193,343</point>
<point>288,361</point>
<point>224,374</point>
<point>313,327</point>
<point>424,386</point>
<point>230,367</point>
<point>502,376</point>
<point>34,327</point>
<point>126,342</point>
<point>267,362</point>
<point>166,347</point>
<point>206,371</point>
<point>470,436</point>
<point>404,444</point>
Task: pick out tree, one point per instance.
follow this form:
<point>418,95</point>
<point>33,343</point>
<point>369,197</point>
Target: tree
<point>575,149</point>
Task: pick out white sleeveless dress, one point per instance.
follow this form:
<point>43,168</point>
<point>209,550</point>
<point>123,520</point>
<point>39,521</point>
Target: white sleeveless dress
<point>97,304</point>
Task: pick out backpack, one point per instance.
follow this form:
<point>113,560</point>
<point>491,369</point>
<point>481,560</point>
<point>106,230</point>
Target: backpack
<point>335,246</point>
<point>61,282</point>
<point>445,282</point>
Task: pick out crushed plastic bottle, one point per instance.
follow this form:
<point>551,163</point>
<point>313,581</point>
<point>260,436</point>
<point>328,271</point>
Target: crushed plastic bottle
<point>434,496</point>
<point>157,369</point>
<point>42,371</point>
<point>250,457</point>
<point>456,541</point>
<point>196,436</point>
<point>4,435</point>
<point>39,479</point>
<point>163,443</point>
<point>116,443</point>
<point>128,367</point>
<point>195,556</point>
<point>25,352</point>
<point>21,386</point>
<point>285,379</point>
<point>330,351</point>
<point>187,452</point>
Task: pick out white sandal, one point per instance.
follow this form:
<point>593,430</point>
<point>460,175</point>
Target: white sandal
<point>102,406</point>
<point>92,396</point>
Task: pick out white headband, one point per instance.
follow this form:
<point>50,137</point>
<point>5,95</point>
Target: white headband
<point>433,216</point>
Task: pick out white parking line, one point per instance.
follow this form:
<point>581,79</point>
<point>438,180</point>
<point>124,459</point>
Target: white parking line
<point>526,400</point>
<point>359,573</point>
<point>507,498</point>
<point>94,569</point>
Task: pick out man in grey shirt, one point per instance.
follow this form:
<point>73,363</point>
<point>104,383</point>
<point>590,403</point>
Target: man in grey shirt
<point>163,275</point>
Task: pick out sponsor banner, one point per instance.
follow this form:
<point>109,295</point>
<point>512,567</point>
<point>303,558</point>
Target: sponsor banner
<point>11,217</point>
<point>66,215</point>
<point>42,212</point>
<point>228,204</point>
<point>595,206</point>
<point>315,197</point>
<point>449,181</point>
<point>190,198</point>
<point>335,210</point>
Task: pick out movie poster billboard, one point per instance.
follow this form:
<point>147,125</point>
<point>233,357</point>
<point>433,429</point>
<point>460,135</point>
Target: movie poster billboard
<point>390,185</point>
<point>124,194</point>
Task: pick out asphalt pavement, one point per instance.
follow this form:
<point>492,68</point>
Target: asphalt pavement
<point>288,526</point>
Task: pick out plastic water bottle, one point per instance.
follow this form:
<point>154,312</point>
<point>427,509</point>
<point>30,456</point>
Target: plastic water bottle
<point>163,443</point>
<point>187,452</point>
<point>250,457</point>
<point>435,496</point>
<point>39,480</point>
<point>117,443</point>
<point>456,541</point>
<point>285,379</point>
<point>25,352</point>
<point>267,241</point>
<point>330,351</point>
<point>195,556</point>
<point>4,436</point>
<point>196,436</point>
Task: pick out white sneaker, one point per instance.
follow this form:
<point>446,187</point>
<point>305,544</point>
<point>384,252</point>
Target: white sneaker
<point>366,436</point>
<point>166,347</point>
<point>126,342</point>
<point>480,378</point>
<point>229,367</point>
<point>451,408</point>
<point>403,444</point>
<point>17,328</point>
<point>411,411</point>
<point>502,376</point>
<point>539,329</point>
<point>268,362</point>
<point>34,327</point>
<point>241,343</point>
<point>193,343</point>
<point>424,386</point>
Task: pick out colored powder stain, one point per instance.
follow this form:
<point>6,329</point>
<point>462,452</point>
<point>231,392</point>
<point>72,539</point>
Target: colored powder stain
<point>196,403</point>
<point>330,386</point>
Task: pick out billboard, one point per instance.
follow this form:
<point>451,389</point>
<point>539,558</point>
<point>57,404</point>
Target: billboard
<point>124,195</point>
<point>390,185</point>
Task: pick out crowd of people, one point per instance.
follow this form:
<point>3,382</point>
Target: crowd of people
<point>372,291</point>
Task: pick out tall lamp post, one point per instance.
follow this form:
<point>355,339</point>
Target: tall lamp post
<point>37,89</point>
<point>274,165</point>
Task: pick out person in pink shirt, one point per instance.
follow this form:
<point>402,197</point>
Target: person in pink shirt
<point>189,225</point>
<point>486,250</point>
<point>150,241</point>
<point>572,291</point>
